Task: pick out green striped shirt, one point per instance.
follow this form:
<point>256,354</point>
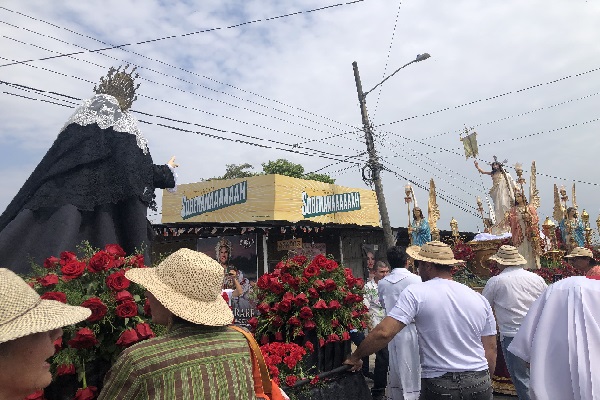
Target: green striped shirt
<point>190,362</point>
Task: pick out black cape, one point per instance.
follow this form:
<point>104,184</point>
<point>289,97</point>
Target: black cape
<point>93,184</point>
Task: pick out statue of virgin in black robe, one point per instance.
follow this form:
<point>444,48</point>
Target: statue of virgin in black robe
<point>95,183</point>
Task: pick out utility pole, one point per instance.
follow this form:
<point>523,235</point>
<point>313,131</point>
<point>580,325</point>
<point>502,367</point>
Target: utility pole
<point>374,164</point>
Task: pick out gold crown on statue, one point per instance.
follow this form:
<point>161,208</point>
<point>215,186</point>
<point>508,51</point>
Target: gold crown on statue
<point>120,85</point>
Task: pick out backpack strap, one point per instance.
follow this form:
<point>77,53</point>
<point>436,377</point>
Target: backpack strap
<point>262,365</point>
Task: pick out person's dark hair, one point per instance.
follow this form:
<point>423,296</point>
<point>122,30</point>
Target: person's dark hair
<point>396,257</point>
<point>570,209</point>
<point>499,169</point>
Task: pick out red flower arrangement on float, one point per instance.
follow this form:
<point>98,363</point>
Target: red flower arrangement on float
<point>303,297</point>
<point>119,309</point>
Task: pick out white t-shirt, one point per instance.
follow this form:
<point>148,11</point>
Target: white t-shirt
<point>450,318</point>
<point>510,294</point>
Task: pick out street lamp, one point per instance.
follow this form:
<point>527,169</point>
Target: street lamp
<point>373,163</point>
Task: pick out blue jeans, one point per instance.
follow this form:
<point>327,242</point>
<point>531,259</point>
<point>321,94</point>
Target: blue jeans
<point>469,385</point>
<point>517,368</point>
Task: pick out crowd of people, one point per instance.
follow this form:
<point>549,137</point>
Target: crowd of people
<point>442,335</point>
<point>433,337</point>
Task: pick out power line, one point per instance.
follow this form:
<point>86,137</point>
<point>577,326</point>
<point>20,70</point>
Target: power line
<point>111,47</point>
<point>516,115</point>
<point>491,98</point>
<point>322,154</point>
<point>387,60</point>
<point>199,95</point>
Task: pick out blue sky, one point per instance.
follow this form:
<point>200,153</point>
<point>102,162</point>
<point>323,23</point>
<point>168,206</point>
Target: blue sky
<point>290,79</point>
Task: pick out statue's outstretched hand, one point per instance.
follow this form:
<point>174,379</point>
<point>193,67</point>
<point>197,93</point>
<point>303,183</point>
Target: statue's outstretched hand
<point>171,163</point>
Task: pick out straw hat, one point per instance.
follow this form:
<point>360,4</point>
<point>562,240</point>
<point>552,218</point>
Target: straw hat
<point>188,283</point>
<point>23,312</point>
<point>580,252</point>
<point>435,252</point>
<point>508,255</point>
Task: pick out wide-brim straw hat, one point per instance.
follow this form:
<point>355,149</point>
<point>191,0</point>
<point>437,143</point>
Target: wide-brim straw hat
<point>23,312</point>
<point>188,283</point>
<point>435,252</point>
<point>508,255</point>
<point>580,252</point>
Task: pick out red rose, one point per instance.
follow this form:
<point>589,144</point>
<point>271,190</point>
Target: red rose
<point>263,308</point>
<point>334,305</point>
<point>253,322</point>
<point>48,280</point>
<point>65,369</point>
<point>330,285</point>
<point>333,338</point>
<point>293,321</point>
<point>263,282</point>
<point>89,393</point>
<point>284,305</point>
<point>331,265</point>
<point>51,262</point>
<point>67,256</point>
<point>299,259</point>
<point>144,331</point>
<point>98,308</point>
<point>319,285</point>
<point>127,309</point>
<point>101,261</point>
<point>137,261</point>
<point>335,323</point>
<point>84,339</point>
<point>39,395</point>
<point>276,286</point>
<point>57,345</point>
<point>148,310</point>
<point>320,261</point>
<point>345,336</point>
<point>279,336</point>
<point>288,296</point>
<point>72,269</point>
<point>127,338</point>
<point>312,292</point>
<point>264,339</point>
<point>117,281</point>
<point>360,283</point>
<point>306,313</point>
<point>123,295</point>
<point>320,305</point>
<point>58,296</point>
<point>310,271</point>
<point>309,346</point>
<point>114,250</point>
<point>314,380</point>
<point>301,300</point>
<point>290,380</point>
<point>277,321</point>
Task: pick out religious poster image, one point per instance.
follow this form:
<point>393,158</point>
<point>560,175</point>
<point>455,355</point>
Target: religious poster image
<point>370,257</point>
<point>237,254</point>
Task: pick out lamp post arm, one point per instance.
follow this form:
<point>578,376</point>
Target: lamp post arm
<point>389,76</point>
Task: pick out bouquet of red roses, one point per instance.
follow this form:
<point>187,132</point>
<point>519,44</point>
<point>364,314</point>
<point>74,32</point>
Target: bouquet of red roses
<point>285,361</point>
<point>304,295</point>
<point>119,309</point>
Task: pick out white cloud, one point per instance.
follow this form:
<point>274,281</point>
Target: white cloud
<point>296,82</point>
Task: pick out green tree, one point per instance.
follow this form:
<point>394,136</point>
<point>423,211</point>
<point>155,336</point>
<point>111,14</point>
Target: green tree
<point>236,171</point>
<point>280,167</point>
<point>284,167</point>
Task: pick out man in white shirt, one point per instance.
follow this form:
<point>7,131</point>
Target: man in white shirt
<point>405,364</point>
<point>510,294</point>
<point>560,336</point>
<point>455,326</point>
<point>377,313</point>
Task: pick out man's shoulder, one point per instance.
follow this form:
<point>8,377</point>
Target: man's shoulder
<point>400,274</point>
